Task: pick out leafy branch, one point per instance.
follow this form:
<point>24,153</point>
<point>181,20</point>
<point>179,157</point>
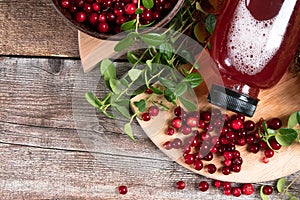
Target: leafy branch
<point>158,62</point>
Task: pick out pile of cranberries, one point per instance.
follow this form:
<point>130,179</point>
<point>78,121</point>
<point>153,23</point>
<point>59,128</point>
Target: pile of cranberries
<point>107,16</point>
<point>211,133</point>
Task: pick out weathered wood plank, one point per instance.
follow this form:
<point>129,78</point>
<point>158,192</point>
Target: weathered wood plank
<point>33,28</point>
<point>37,173</point>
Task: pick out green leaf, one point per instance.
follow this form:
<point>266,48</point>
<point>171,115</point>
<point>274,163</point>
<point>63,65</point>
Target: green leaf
<point>123,110</point>
<point>194,79</point>
<point>294,119</point>
<point>156,90</point>
<point>141,105</point>
<point>166,49</point>
<point>131,57</point>
<point>130,25</point>
<point>286,136</point>
<point>123,44</point>
<point>190,106</point>
<point>169,95</point>
<point>92,99</point>
<point>115,86</point>
<point>149,64</point>
<point>128,131</point>
<point>107,69</point>
<point>180,89</point>
<point>138,11</point>
<point>281,184</point>
<point>121,102</point>
<point>148,3</point>
<point>134,74</point>
<point>210,23</point>
<point>153,39</point>
<point>262,194</point>
<point>166,82</point>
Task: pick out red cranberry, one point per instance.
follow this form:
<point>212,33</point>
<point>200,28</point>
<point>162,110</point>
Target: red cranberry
<point>226,170</point>
<point>167,145</point>
<point>269,153</point>
<point>189,159</point>
<point>203,186</point>
<point>177,122</point>
<point>170,131</point>
<point>211,168</point>
<point>192,121</point>
<point>227,192</point>
<point>153,111</point>
<point>176,143</point>
<point>123,189</point>
<point>130,9</point>
<point>149,91</point>
<point>274,123</point>
<point>247,189</point>
<point>79,3</point>
<point>80,17</point>
<point>249,125</point>
<point>186,149</point>
<point>236,168</point>
<point>250,139</point>
<point>198,165</point>
<point>186,130</point>
<point>106,3</point>
<point>93,18</point>
<point>217,183</point>
<point>180,185</point>
<point>236,154</point>
<point>236,124</point>
<point>72,9</point>
<point>96,7</point>
<point>241,141</point>
<point>226,185</point>
<point>65,3</point>
<point>227,162</point>
<point>236,191</point>
<point>102,17</point>
<point>146,117</point>
<point>206,116</point>
<point>103,27</point>
<point>208,156</point>
<point>253,148</point>
<point>177,111</point>
<point>274,144</point>
<point>146,15</point>
<point>110,17</point>
<point>118,11</point>
<point>265,160</point>
<point>201,124</point>
<point>267,190</point>
<point>237,161</point>
<point>87,8</point>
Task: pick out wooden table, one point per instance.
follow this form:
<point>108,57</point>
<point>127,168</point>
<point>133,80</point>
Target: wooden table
<point>44,154</point>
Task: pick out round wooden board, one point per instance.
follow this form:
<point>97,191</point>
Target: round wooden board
<point>279,101</point>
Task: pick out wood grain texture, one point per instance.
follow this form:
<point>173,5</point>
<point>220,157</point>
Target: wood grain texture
<point>33,28</point>
<point>45,155</point>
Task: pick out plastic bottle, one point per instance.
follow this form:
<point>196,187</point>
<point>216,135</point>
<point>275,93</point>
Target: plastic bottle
<point>254,42</point>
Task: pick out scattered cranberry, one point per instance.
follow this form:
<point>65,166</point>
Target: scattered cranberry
<point>217,183</point>
<point>65,3</point>
<point>130,9</point>
<point>226,170</point>
<point>274,144</point>
<point>189,159</point>
<point>123,189</point>
<point>177,111</point>
<point>80,17</point>
<point>198,165</point>
<point>176,143</point>
<point>267,190</point>
<point>236,124</point>
<point>146,117</point>
<point>149,91</point>
<point>269,153</point>
<point>226,185</point>
<point>167,145</point>
<point>247,189</point>
<point>227,192</point>
<point>211,168</point>
<point>274,123</point>
<point>180,185</point>
<point>236,191</point>
<point>170,131</point>
<point>203,186</point>
<point>177,122</point>
<point>103,27</point>
<point>153,111</point>
<point>265,160</point>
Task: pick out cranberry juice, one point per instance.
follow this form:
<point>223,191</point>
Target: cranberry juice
<point>254,42</point>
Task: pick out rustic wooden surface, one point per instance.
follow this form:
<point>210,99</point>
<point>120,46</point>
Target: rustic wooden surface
<point>50,149</point>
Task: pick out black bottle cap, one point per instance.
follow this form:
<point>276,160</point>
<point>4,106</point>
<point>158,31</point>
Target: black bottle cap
<point>232,100</point>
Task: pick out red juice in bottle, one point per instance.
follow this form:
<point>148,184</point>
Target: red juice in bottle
<point>254,42</point>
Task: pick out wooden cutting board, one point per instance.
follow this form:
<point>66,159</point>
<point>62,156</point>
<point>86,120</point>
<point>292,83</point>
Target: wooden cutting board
<point>279,101</point>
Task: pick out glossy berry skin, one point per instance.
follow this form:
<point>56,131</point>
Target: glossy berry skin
<point>177,111</point>
<point>177,122</point>
<point>274,144</point>
<point>146,117</point>
<point>247,189</point>
<point>180,185</point>
<point>211,168</point>
<point>236,124</point>
<point>192,121</point>
<point>236,191</point>
<point>203,186</point>
<point>274,123</point>
<point>269,153</point>
<point>65,3</point>
<point>226,170</point>
<point>123,189</point>
<point>170,131</point>
<point>167,145</point>
<point>103,27</point>
<point>189,159</point>
<point>198,165</point>
<point>217,183</point>
<point>226,185</point>
<point>130,9</point>
<point>153,111</point>
<point>176,143</point>
<point>80,17</point>
<point>267,190</point>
